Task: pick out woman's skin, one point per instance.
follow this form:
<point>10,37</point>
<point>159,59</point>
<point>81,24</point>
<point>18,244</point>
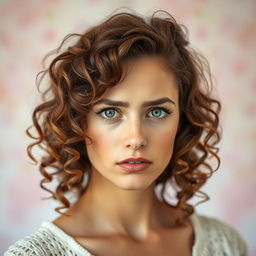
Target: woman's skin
<point>119,213</point>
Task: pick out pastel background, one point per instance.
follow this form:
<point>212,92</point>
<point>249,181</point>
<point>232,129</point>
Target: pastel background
<point>224,31</point>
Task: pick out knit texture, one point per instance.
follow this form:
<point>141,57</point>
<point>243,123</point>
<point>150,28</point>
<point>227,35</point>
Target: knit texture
<point>212,237</point>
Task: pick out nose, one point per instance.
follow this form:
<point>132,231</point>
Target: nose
<point>135,136</point>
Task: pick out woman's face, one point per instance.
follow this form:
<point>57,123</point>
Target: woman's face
<point>136,118</point>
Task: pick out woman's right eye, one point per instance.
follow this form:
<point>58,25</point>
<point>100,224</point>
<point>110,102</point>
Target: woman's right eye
<point>108,113</point>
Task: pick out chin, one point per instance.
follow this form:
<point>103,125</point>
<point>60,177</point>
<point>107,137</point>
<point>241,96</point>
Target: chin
<point>133,186</point>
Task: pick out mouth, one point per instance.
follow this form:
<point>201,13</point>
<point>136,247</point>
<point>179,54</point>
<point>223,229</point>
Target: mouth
<point>134,164</point>
<point>139,160</point>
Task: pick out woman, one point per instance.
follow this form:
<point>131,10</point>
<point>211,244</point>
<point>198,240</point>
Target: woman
<point>127,116</point>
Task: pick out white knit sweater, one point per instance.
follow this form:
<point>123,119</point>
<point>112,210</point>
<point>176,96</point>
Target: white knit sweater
<point>212,237</point>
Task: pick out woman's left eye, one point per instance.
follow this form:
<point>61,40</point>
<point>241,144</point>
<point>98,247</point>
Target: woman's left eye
<point>108,113</point>
<point>159,113</point>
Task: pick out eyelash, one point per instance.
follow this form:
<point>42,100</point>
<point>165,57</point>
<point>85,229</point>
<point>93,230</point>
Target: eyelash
<point>167,113</point>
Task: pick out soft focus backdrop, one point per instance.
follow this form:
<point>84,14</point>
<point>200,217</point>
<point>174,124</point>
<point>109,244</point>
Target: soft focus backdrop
<point>224,31</point>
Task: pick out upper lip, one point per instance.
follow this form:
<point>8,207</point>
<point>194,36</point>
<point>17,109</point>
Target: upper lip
<point>141,159</point>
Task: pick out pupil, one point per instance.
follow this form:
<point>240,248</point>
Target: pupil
<point>110,113</point>
<point>156,112</point>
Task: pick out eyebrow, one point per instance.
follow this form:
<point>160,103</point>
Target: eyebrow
<point>126,104</point>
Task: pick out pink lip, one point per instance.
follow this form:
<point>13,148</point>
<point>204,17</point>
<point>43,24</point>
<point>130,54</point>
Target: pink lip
<point>133,167</point>
<point>141,159</point>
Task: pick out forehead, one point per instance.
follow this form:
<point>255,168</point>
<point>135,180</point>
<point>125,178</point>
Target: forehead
<point>145,78</point>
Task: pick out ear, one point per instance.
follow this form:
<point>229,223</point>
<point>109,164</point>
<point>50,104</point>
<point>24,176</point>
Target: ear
<point>87,140</point>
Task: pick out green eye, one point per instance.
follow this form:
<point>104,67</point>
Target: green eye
<point>156,112</point>
<point>108,113</point>
<point>159,113</point>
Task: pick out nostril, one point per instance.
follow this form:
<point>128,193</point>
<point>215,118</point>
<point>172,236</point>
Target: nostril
<point>136,144</point>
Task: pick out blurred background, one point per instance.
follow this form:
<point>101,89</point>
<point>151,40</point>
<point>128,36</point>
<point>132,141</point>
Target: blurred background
<point>224,31</point>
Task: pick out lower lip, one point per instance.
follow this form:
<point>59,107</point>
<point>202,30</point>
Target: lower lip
<point>134,167</point>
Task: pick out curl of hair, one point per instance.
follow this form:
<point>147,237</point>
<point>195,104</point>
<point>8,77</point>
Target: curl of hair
<point>84,71</point>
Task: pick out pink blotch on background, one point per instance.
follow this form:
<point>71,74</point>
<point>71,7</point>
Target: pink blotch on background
<point>251,135</point>
<point>11,69</point>
<point>26,186</point>
<point>239,66</point>
<point>49,36</point>
<point>247,36</point>
<point>28,19</point>
<point>176,8</point>
<point>238,189</point>
<point>24,13</point>
<point>216,52</point>
<point>6,40</point>
<point>3,87</point>
<point>228,156</point>
<point>227,27</point>
<point>8,119</point>
<point>8,99</point>
<point>81,26</point>
<point>35,65</point>
<point>201,33</point>
<point>250,110</point>
<point>53,1</point>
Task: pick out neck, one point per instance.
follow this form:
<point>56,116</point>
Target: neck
<point>115,210</point>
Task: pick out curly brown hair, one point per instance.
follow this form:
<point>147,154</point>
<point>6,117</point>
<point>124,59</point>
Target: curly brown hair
<point>79,76</point>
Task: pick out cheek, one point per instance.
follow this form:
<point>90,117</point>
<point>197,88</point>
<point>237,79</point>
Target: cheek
<point>101,140</point>
<point>165,142</point>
